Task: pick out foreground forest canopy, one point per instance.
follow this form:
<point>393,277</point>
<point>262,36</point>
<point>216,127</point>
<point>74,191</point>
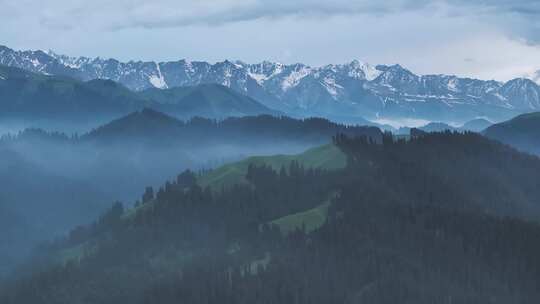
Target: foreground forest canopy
<point>440,218</point>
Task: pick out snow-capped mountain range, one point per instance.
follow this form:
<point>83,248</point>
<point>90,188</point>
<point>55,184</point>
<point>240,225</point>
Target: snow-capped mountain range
<point>337,91</point>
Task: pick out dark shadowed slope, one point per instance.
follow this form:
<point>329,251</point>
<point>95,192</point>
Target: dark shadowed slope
<point>207,100</point>
<point>156,126</point>
<point>33,96</point>
<point>29,96</point>
<point>522,132</point>
<point>37,204</point>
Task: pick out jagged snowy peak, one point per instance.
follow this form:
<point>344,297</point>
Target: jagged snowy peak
<point>35,61</point>
<point>275,77</point>
<point>353,88</point>
<point>400,80</point>
<point>361,70</point>
<point>292,75</point>
<point>524,92</point>
<point>445,85</point>
<point>395,74</point>
<point>132,74</point>
<point>72,62</point>
<point>520,84</point>
<point>395,78</point>
<point>262,71</point>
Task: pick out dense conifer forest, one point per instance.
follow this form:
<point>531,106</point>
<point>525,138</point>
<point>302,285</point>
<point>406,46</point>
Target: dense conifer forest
<point>73,177</point>
<point>440,218</point>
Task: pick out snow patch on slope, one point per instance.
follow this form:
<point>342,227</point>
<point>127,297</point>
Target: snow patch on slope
<point>259,72</point>
<point>35,62</point>
<point>259,78</point>
<point>227,75</point>
<point>70,62</point>
<point>452,85</point>
<point>294,78</point>
<point>331,87</point>
<point>158,80</point>
<point>369,71</point>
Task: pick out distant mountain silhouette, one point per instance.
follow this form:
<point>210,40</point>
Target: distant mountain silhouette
<point>207,100</point>
<point>476,125</point>
<point>28,95</point>
<point>149,124</point>
<point>522,132</point>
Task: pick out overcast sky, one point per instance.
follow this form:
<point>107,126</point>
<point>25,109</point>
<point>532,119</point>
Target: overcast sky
<point>497,39</point>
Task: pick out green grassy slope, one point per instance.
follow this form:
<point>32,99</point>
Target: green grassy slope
<point>326,157</point>
<point>309,220</point>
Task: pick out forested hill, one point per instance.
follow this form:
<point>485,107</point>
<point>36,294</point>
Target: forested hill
<point>149,124</point>
<point>442,218</point>
<point>73,178</point>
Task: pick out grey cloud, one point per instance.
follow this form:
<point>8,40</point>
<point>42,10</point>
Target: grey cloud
<point>536,76</point>
<point>122,14</point>
<point>516,17</point>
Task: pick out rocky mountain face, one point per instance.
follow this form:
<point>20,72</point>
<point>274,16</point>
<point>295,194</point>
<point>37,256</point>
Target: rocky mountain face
<point>340,92</point>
